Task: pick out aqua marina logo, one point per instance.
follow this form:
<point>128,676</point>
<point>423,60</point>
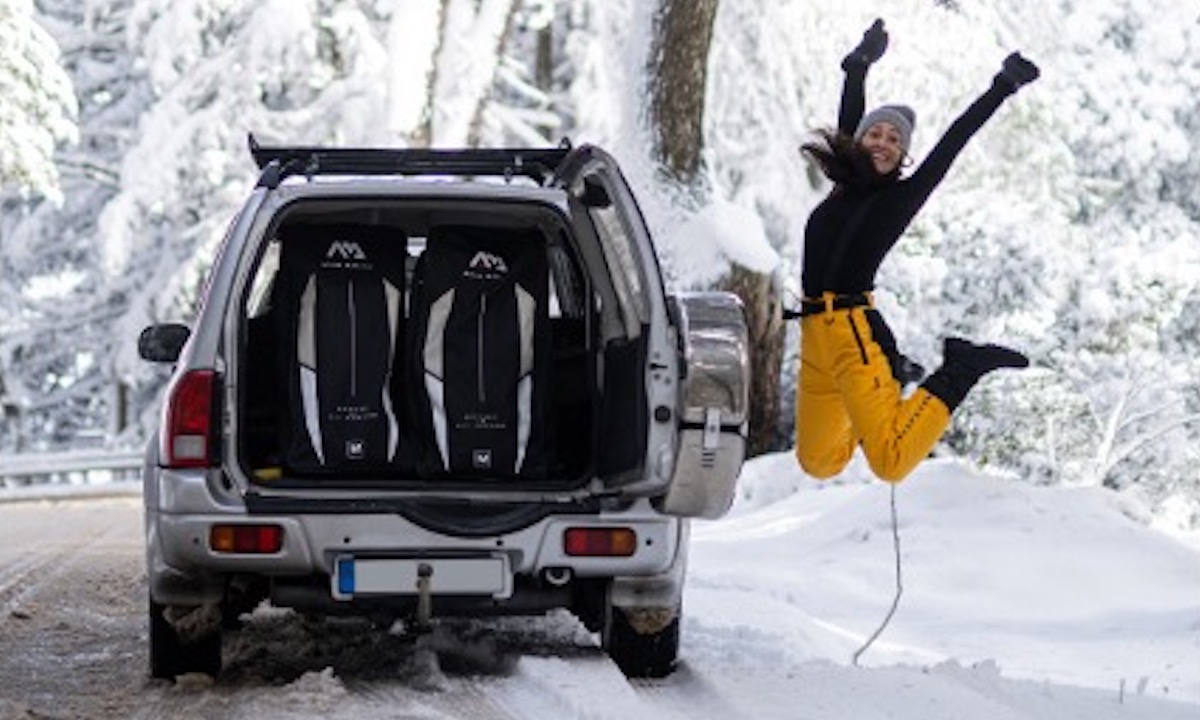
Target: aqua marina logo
<point>345,250</point>
<point>487,262</point>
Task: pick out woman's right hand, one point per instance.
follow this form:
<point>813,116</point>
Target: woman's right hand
<point>871,48</point>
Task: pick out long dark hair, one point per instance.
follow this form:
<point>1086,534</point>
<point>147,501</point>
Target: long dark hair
<point>844,161</point>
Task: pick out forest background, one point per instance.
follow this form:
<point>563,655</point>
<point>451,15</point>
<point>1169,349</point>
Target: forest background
<point>1068,227</point>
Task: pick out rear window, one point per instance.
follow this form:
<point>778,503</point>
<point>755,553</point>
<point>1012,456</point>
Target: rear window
<point>621,255</point>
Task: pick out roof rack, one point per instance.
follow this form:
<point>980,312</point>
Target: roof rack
<point>278,163</point>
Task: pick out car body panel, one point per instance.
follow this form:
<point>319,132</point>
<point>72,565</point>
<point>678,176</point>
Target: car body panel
<point>590,205</point>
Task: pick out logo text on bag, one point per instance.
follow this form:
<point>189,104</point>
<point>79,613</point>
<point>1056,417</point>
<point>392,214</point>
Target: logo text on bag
<point>481,459</point>
<point>345,250</point>
<point>356,449</point>
<point>346,254</point>
<point>486,266</point>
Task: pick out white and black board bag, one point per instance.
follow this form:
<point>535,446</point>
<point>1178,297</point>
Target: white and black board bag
<point>341,297</point>
<point>479,348</point>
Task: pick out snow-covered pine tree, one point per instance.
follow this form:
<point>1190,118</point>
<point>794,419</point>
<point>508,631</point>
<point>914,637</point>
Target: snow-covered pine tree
<point>37,116</point>
<point>37,106</point>
<point>162,169</point>
<point>336,72</point>
<point>1116,258</point>
<point>1067,227</point>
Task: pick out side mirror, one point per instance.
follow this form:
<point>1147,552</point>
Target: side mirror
<point>163,343</point>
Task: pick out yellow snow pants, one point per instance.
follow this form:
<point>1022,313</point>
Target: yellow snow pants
<point>848,397</point>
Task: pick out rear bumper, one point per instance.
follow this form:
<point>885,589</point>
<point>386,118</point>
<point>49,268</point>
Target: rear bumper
<point>311,543</point>
<point>184,569</point>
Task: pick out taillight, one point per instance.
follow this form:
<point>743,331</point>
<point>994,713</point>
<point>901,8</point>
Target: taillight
<point>600,541</point>
<point>246,539</point>
<point>189,434</point>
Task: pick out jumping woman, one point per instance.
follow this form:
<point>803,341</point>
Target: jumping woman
<point>849,394</point>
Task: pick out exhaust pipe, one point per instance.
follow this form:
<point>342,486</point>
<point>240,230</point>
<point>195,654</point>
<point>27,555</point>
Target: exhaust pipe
<point>557,576</point>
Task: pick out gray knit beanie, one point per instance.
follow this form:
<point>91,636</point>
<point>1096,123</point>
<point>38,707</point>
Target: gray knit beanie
<point>901,117</point>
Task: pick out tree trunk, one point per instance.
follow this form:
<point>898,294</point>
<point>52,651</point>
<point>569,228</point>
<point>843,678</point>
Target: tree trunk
<point>14,428</point>
<point>678,72</point>
<point>119,418</point>
<point>678,63</point>
<point>544,62</point>
<point>765,321</point>
<point>543,73</point>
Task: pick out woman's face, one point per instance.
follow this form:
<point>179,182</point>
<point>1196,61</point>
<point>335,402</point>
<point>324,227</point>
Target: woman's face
<point>882,143</point>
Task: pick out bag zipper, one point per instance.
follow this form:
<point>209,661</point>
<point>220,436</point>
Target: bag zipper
<point>352,310</point>
<point>479,349</point>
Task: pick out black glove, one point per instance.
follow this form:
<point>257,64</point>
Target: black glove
<point>906,370</point>
<point>1017,71</point>
<point>874,42</point>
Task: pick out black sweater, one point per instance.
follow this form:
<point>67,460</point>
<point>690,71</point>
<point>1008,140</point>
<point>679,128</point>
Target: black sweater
<point>892,205</point>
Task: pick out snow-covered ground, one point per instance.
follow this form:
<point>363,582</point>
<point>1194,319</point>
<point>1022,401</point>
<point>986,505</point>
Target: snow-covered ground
<point>1019,602</point>
<point>1053,585</point>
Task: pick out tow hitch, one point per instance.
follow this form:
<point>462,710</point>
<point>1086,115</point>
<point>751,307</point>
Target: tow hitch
<point>421,622</point>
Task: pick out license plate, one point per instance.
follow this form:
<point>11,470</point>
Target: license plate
<point>356,577</point>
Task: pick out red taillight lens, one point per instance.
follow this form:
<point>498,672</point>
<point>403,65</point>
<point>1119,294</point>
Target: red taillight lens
<point>600,542</point>
<point>189,435</point>
<point>246,539</point>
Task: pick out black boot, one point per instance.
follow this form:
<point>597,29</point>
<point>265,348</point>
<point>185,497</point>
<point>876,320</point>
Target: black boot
<point>963,363</point>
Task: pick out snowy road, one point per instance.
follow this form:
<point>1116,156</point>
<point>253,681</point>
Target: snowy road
<point>72,631</point>
<point>73,645</point>
<point>70,594</point>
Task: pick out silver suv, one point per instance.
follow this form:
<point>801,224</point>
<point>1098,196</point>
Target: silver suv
<point>433,383</point>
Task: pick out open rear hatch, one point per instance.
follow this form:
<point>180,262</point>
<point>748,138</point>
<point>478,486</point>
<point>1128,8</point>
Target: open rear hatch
<point>458,352</point>
<point>418,345</point>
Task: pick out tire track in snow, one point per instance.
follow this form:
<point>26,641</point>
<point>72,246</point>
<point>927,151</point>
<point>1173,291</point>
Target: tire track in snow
<point>683,692</point>
<point>34,563</point>
<point>12,574</point>
<point>70,626</point>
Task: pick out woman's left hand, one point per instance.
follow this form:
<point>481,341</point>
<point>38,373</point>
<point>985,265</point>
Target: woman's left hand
<point>1018,71</point>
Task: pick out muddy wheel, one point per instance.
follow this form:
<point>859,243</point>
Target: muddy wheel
<point>171,656</point>
<point>644,643</point>
<point>589,602</point>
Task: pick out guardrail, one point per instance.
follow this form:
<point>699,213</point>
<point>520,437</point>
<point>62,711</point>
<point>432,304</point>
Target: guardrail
<point>71,466</point>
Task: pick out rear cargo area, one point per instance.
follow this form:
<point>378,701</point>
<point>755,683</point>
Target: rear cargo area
<point>415,344</point>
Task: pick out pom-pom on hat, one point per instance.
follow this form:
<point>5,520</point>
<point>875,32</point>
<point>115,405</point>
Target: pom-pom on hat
<point>901,117</point>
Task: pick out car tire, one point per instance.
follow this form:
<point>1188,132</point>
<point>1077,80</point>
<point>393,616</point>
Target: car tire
<point>641,654</point>
<point>589,602</point>
<point>171,657</point>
